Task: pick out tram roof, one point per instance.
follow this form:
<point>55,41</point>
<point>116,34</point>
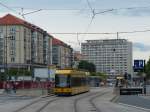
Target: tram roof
<point>119,77</point>
<point>70,72</point>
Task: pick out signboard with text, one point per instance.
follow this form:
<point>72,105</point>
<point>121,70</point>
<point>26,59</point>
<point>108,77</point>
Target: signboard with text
<point>139,65</point>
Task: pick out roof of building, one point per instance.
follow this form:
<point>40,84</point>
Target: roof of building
<point>13,20</point>
<point>10,19</point>
<point>57,42</point>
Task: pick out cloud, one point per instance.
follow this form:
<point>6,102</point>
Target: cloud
<point>141,47</point>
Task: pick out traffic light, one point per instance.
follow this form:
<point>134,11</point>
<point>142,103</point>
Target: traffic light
<point>125,76</point>
<point>129,77</point>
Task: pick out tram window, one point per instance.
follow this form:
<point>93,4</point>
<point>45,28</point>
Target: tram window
<point>83,81</point>
<point>62,81</point>
<point>75,81</point>
<point>78,81</point>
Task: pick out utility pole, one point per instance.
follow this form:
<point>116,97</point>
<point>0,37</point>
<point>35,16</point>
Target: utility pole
<point>117,35</point>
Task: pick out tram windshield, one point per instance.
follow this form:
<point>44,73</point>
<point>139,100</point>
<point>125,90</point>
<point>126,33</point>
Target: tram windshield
<point>62,81</point>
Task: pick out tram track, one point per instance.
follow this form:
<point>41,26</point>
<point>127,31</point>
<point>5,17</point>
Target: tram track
<point>91,100</point>
<point>91,97</point>
<point>77,100</point>
<point>31,106</point>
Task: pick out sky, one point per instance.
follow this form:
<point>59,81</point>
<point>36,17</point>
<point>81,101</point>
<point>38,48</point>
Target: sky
<point>67,16</point>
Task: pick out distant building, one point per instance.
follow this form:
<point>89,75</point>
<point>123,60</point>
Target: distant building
<point>77,57</point>
<point>24,43</point>
<point>62,54</point>
<point>1,50</point>
<point>112,56</point>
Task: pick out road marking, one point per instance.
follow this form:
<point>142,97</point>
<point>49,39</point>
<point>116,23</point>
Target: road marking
<point>145,109</point>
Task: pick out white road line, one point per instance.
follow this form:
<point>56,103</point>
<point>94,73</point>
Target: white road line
<point>145,109</point>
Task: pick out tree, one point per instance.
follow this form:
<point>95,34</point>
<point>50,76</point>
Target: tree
<point>147,69</point>
<point>85,65</point>
<point>3,77</point>
<point>102,76</point>
<point>19,72</point>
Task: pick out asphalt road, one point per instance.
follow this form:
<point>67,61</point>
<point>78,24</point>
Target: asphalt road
<point>135,101</point>
<point>97,100</point>
<point>13,98</point>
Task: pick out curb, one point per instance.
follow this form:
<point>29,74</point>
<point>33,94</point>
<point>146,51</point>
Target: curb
<point>141,108</point>
<point>143,94</point>
<point>19,95</point>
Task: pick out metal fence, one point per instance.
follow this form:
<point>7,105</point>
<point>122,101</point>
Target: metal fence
<point>26,84</point>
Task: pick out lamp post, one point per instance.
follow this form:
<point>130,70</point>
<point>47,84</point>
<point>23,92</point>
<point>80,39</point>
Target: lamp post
<point>144,82</point>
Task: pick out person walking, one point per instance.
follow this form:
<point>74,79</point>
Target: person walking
<point>14,87</point>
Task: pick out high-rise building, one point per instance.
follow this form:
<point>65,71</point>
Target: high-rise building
<point>62,54</point>
<point>112,56</point>
<point>24,43</point>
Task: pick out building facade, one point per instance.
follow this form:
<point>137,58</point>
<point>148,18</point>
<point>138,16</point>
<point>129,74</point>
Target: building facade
<point>113,56</point>
<point>62,54</point>
<point>1,50</point>
<point>77,57</point>
<point>24,43</point>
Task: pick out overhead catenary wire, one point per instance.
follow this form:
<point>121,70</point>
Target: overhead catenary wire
<point>9,8</point>
<point>93,10</point>
<point>94,13</point>
<point>105,33</point>
<point>96,33</point>
<point>32,12</point>
<point>24,14</point>
<point>69,9</point>
<point>19,13</point>
<point>92,18</point>
<point>89,5</point>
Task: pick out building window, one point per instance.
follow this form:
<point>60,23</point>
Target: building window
<point>12,59</point>
<point>1,29</point>
<point>12,37</point>
<point>13,29</point>
<point>12,52</point>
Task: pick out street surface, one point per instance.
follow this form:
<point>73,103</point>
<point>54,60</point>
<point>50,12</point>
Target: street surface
<point>135,101</point>
<point>97,100</point>
<point>13,98</point>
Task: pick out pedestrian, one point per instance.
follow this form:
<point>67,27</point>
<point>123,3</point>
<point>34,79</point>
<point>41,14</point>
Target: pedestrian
<point>14,87</point>
<point>7,87</point>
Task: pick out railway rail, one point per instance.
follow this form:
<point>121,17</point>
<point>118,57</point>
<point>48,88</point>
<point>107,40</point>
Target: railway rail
<point>91,97</point>
<point>45,102</point>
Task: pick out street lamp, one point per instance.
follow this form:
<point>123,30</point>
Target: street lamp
<point>144,83</point>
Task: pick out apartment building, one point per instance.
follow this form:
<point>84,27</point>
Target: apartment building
<point>62,54</point>
<point>24,43</point>
<point>112,56</point>
<point>1,50</point>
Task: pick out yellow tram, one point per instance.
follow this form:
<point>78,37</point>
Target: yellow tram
<point>120,81</point>
<point>70,82</point>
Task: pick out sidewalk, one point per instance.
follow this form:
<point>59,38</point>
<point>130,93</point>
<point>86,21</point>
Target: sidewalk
<point>26,92</point>
<point>147,96</point>
<point>134,100</point>
<point>2,91</point>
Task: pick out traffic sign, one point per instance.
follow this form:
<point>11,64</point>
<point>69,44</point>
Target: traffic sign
<point>139,65</point>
